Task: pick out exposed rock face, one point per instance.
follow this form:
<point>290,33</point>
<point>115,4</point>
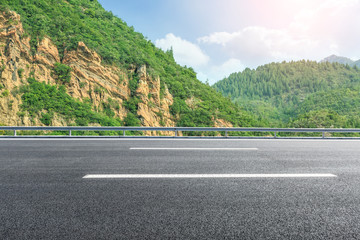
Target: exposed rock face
<point>152,108</point>
<point>14,56</point>
<point>90,78</point>
<point>47,53</point>
<point>220,123</point>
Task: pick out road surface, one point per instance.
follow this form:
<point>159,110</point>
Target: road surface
<point>179,189</point>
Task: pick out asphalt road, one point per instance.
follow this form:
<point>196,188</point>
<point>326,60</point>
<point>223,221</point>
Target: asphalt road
<point>43,194</point>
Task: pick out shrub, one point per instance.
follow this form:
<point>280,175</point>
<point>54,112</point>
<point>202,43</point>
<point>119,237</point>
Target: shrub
<point>82,84</point>
<point>131,120</point>
<point>41,97</point>
<point>20,72</point>
<point>62,73</point>
<point>5,93</point>
<point>46,118</point>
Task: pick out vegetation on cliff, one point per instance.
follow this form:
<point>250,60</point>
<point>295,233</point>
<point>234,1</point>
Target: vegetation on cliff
<point>298,94</point>
<point>68,22</point>
<point>47,100</point>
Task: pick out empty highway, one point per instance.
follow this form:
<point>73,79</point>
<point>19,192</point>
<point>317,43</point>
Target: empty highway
<point>179,189</point>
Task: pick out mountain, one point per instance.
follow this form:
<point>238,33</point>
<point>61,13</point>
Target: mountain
<point>342,60</point>
<point>284,94</point>
<point>357,63</point>
<point>67,62</point>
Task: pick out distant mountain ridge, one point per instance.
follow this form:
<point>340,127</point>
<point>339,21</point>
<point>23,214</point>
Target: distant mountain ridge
<point>342,60</point>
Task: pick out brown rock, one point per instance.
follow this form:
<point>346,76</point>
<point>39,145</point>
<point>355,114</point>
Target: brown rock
<point>47,53</point>
<point>90,78</point>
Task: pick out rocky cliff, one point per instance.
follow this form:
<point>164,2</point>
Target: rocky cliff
<point>90,78</point>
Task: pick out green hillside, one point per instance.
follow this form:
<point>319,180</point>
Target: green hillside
<point>67,22</point>
<point>284,94</point>
<point>342,106</point>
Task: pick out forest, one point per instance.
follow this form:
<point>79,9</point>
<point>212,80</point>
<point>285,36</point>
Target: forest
<point>298,94</point>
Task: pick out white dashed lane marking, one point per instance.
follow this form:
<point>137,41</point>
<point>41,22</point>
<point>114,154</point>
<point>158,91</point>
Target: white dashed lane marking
<point>198,149</point>
<point>157,176</point>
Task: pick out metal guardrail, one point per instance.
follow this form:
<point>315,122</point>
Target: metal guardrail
<point>182,129</point>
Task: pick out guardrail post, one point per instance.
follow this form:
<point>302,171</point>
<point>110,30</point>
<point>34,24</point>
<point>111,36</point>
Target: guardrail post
<point>323,135</point>
<point>124,133</point>
<point>226,134</point>
<point>176,133</point>
<point>14,133</point>
<point>70,133</point>
<point>275,136</point>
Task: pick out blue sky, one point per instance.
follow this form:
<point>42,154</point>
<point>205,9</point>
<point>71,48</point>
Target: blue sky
<point>217,38</point>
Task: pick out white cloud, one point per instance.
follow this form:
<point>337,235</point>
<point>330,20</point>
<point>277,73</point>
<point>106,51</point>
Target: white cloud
<point>228,67</point>
<point>185,52</point>
<point>318,29</point>
<point>218,38</point>
<point>218,72</point>
<point>339,3</point>
<point>254,45</point>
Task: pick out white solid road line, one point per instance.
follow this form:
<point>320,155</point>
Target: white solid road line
<point>153,176</point>
<point>199,149</point>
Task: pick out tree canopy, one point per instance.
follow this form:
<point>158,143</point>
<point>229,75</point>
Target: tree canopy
<point>280,93</point>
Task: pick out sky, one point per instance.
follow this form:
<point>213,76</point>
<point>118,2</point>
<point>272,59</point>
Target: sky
<point>217,38</point>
